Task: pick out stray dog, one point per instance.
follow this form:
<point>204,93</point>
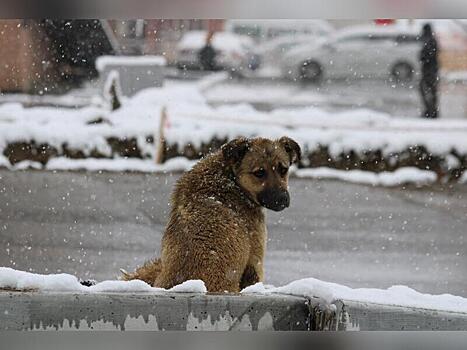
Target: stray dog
<point>216,230</point>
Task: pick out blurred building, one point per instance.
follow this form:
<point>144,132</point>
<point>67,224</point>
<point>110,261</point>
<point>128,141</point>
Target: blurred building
<point>41,56</point>
<point>156,36</point>
<point>26,56</point>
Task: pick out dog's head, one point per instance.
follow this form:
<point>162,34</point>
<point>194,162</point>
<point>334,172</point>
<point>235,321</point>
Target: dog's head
<point>261,168</point>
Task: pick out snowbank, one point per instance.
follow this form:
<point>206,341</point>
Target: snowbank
<point>357,139</point>
<point>399,177</point>
<point>21,280</point>
<point>395,295</point>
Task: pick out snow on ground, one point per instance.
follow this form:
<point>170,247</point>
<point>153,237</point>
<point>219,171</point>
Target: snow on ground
<point>395,295</point>
<point>21,280</point>
<point>270,94</point>
<point>398,177</point>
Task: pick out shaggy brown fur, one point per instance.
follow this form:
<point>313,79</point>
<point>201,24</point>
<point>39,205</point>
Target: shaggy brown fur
<point>216,230</point>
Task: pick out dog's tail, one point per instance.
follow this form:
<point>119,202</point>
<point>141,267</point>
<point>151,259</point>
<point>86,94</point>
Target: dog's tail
<point>147,273</point>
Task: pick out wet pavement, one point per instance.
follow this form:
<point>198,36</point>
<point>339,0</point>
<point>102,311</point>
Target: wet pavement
<point>91,225</point>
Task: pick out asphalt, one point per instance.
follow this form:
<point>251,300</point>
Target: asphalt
<point>92,224</point>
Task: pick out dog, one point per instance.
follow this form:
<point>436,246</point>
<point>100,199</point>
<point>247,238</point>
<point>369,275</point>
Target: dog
<point>216,231</point>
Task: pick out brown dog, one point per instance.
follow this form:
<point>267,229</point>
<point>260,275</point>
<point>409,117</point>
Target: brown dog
<point>216,231</point>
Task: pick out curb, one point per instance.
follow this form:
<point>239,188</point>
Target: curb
<point>147,311</point>
<point>219,312</point>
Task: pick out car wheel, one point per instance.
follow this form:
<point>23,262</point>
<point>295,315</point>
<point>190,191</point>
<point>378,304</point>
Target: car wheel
<point>181,66</point>
<point>311,71</point>
<point>402,71</point>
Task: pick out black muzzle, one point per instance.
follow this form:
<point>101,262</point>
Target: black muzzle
<point>274,199</point>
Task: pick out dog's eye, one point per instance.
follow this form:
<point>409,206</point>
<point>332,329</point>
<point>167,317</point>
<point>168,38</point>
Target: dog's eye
<point>283,170</point>
<point>259,173</point>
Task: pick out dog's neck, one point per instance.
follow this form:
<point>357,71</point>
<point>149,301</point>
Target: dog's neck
<point>249,202</point>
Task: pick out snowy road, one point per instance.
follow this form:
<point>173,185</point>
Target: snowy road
<point>266,94</point>
<point>93,224</point>
<point>339,95</point>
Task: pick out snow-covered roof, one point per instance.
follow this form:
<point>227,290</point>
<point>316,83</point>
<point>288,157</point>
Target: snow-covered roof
<point>223,41</point>
<point>295,24</point>
<point>369,30</point>
<point>146,60</point>
<point>286,39</point>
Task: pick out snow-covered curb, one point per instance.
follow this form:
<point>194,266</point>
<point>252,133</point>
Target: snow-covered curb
<point>21,280</point>
<point>394,296</point>
<point>178,164</point>
<point>309,287</point>
<point>402,176</point>
<point>398,177</point>
<point>172,165</point>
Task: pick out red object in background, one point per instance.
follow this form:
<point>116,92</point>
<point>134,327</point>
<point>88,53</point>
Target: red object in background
<point>384,21</point>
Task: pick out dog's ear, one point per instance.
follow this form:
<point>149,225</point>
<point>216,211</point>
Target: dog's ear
<point>292,148</point>
<point>235,150</point>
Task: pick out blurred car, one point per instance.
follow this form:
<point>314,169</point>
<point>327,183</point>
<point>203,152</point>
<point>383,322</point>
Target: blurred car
<point>267,29</point>
<point>271,51</point>
<point>361,52</point>
<point>233,51</point>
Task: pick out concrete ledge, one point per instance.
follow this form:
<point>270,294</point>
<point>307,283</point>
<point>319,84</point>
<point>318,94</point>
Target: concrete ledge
<point>185,311</point>
<point>143,311</point>
<point>352,315</point>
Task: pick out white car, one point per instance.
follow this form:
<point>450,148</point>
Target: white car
<point>233,52</point>
<point>360,52</point>
<point>273,50</point>
<point>268,29</point>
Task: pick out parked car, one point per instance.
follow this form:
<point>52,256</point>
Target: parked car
<point>364,51</point>
<point>272,51</point>
<point>267,29</point>
<point>233,51</point>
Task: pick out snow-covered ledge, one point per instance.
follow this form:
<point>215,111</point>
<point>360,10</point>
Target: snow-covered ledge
<point>30,301</point>
<point>197,311</point>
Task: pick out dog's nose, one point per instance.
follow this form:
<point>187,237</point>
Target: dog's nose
<point>273,199</point>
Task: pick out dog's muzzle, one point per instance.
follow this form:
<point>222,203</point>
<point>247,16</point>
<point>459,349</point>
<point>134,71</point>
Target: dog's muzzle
<point>274,199</point>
